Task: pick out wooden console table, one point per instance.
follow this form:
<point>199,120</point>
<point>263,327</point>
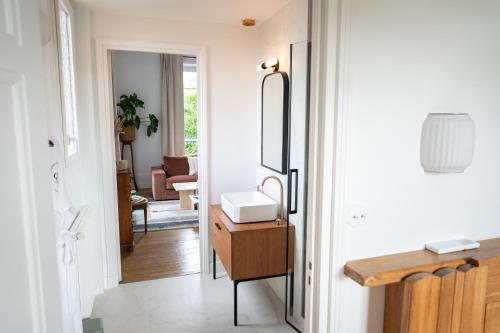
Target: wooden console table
<point>426,293</point>
<point>250,251</point>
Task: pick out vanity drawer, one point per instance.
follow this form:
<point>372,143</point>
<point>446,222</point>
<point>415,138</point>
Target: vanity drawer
<point>261,252</point>
<point>221,241</point>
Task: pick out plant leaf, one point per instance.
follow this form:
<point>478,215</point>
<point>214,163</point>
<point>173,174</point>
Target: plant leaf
<point>153,123</point>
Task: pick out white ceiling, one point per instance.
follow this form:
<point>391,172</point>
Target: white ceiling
<point>218,11</point>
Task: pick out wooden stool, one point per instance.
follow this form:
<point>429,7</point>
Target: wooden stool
<point>144,206</point>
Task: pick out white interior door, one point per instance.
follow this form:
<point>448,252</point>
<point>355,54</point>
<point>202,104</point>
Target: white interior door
<point>29,286</point>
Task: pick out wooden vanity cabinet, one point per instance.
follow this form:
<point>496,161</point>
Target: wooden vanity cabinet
<point>429,293</point>
<point>250,250</point>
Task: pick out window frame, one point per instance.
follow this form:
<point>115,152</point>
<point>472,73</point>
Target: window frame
<point>196,90</point>
<point>64,5</point>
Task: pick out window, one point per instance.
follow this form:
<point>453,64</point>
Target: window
<point>190,106</point>
<point>67,80</point>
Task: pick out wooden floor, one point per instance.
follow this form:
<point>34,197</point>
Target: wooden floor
<point>146,193</point>
<point>160,254</point>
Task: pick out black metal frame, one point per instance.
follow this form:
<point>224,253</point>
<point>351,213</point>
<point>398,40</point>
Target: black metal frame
<point>296,192</point>
<point>236,282</point>
<point>289,188</point>
<point>286,111</point>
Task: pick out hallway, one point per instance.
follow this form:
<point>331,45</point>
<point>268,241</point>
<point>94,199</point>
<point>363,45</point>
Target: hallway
<point>189,304</point>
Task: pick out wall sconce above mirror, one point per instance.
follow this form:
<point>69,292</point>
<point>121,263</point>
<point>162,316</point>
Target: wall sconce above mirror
<point>274,122</point>
<point>272,63</point>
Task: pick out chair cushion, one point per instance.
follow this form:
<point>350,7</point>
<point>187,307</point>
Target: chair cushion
<point>180,179</point>
<point>175,166</point>
<point>193,165</point>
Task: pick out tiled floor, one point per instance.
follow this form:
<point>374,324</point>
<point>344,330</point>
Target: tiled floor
<point>190,304</point>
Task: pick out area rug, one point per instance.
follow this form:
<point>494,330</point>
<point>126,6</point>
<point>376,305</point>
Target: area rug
<point>165,215</point>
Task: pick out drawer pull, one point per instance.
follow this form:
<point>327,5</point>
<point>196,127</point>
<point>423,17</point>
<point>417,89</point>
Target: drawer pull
<point>217,226</point>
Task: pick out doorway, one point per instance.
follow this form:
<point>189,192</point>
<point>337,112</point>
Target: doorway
<point>155,99</point>
<point>177,249</point>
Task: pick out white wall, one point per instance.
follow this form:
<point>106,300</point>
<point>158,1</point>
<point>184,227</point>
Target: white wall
<point>273,42</point>
<point>404,60</point>
<point>81,172</point>
<point>140,72</point>
<point>90,261</point>
<point>285,27</point>
<point>231,89</point>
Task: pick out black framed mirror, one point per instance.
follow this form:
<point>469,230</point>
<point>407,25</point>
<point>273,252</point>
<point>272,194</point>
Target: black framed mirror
<point>274,122</point>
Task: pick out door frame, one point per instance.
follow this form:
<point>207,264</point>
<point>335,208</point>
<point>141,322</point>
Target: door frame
<point>327,161</point>
<point>110,230</point>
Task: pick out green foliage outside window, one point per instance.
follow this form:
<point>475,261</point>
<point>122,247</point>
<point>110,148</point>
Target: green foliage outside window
<point>191,122</point>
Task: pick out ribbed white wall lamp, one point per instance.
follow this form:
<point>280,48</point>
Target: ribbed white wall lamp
<point>448,141</point>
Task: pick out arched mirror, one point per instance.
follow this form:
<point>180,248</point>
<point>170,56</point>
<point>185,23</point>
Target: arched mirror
<point>274,122</point>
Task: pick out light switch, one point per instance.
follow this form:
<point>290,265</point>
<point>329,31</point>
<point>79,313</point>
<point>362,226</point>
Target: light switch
<point>358,216</point>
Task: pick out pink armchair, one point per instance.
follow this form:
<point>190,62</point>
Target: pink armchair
<point>174,170</point>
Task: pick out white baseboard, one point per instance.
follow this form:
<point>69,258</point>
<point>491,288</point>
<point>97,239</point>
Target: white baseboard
<point>111,282</point>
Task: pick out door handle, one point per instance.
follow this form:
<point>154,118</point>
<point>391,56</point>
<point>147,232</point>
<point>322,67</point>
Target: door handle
<point>295,172</point>
<point>217,226</point>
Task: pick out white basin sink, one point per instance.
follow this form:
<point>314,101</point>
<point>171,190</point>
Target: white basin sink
<point>246,207</point>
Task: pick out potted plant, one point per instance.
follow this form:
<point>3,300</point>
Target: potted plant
<point>130,119</point>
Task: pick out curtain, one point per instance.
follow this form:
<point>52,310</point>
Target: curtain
<point>172,104</point>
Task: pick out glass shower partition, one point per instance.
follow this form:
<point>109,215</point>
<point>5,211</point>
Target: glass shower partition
<point>297,181</point>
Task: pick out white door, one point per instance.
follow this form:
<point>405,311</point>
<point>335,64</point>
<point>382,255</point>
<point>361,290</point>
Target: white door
<point>29,286</point>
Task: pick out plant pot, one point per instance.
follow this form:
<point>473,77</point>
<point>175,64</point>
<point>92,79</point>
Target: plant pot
<point>128,133</point>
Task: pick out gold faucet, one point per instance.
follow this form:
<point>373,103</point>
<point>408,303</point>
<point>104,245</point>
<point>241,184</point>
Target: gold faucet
<point>282,211</point>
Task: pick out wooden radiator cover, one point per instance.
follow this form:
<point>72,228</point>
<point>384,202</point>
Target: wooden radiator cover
<point>430,293</point>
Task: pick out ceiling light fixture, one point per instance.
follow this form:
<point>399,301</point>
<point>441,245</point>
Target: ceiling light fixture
<point>248,22</point>
<point>272,63</point>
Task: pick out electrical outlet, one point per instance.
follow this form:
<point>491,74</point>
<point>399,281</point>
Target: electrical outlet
<point>358,217</point>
